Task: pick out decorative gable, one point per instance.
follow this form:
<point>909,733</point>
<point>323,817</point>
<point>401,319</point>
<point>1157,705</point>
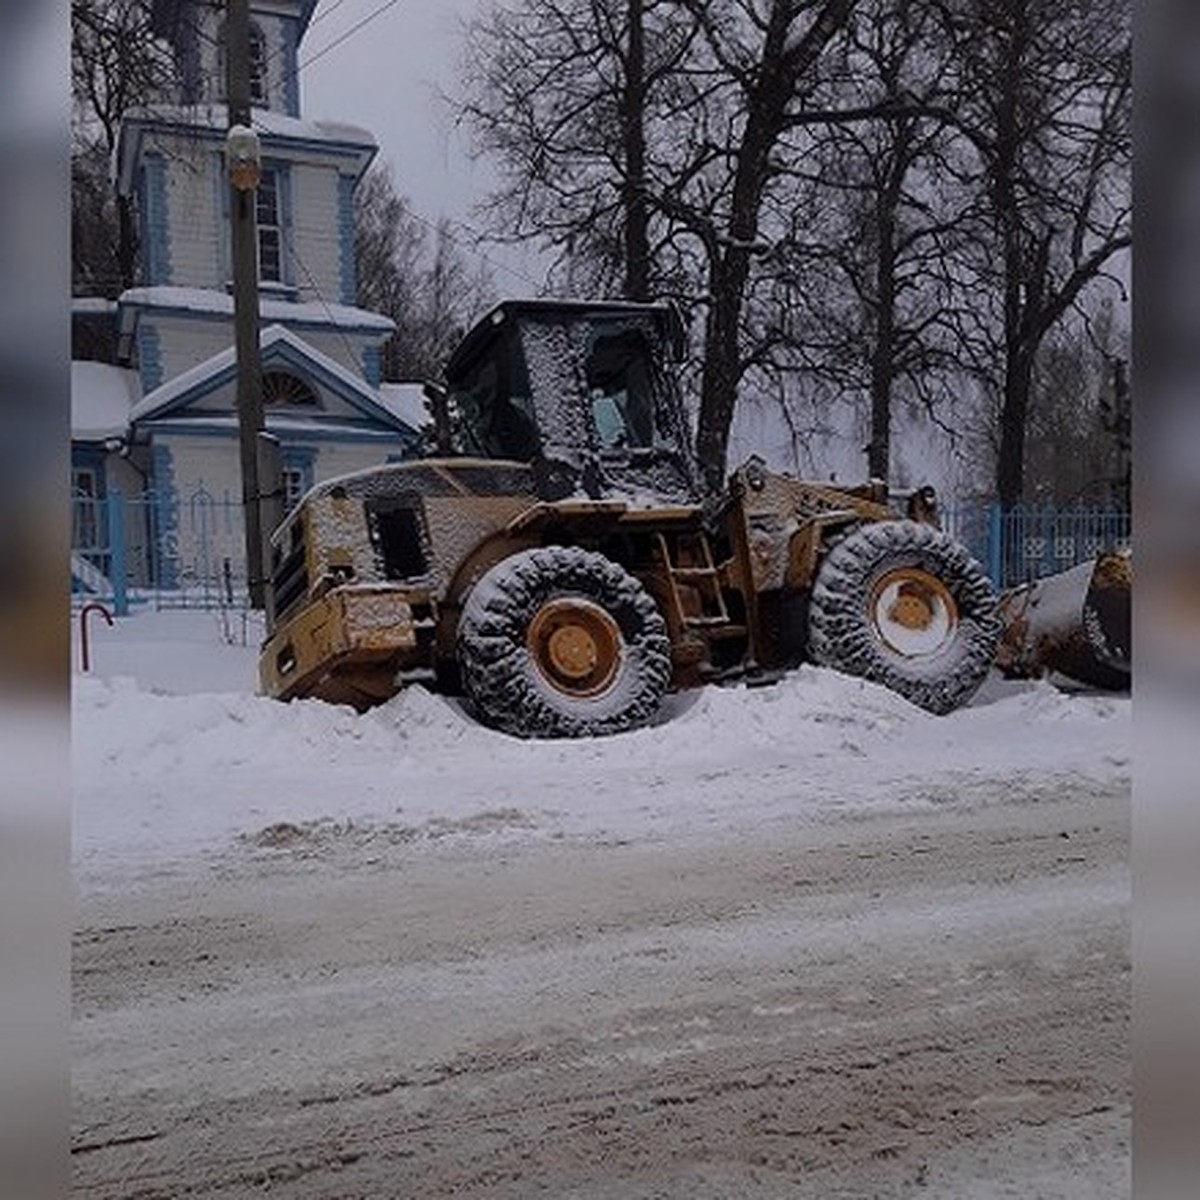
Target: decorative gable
<point>303,388</point>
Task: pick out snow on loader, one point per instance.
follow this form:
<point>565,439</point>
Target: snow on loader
<point>554,561</point>
<point>1077,623</point>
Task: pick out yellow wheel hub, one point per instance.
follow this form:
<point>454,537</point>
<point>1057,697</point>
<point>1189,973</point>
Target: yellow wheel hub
<point>913,612</point>
<point>576,646</point>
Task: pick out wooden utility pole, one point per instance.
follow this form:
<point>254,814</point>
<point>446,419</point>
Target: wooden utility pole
<point>243,200</point>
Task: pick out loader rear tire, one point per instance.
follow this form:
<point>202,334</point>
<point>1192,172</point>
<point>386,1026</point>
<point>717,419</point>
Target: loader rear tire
<point>905,605</point>
<point>562,642</point>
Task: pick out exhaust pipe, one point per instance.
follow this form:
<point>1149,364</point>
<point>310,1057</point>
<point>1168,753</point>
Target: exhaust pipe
<point>1077,623</point>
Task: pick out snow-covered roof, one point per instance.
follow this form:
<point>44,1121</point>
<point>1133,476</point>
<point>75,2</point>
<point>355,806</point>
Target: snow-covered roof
<point>92,304</point>
<point>277,128</point>
<point>265,121</point>
<point>209,302</point>
<point>406,401</point>
<point>102,398</point>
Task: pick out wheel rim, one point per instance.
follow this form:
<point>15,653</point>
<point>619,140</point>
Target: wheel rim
<point>576,645</point>
<point>913,612</point>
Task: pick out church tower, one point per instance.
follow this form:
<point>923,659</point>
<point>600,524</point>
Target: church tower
<point>321,354</point>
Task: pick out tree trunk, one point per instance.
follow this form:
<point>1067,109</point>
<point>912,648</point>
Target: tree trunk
<point>776,84</point>
<point>1014,419</point>
<point>127,242</point>
<point>722,359</point>
<point>883,364</point>
<point>633,118</point>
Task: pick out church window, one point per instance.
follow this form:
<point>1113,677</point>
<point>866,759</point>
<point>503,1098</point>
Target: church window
<point>270,232</point>
<point>284,390</point>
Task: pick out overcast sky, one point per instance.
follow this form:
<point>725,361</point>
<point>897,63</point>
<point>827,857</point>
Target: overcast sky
<point>385,77</point>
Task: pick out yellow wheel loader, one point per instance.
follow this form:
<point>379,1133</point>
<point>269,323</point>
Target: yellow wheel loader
<point>555,563</point>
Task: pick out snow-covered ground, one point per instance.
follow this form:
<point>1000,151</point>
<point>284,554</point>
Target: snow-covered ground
<point>804,940</point>
<point>174,753</point>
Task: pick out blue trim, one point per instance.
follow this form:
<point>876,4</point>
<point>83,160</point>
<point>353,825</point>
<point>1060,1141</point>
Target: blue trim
<point>346,238</point>
<point>166,518</point>
<point>156,234</point>
<point>299,458</point>
<point>91,458</point>
<point>116,549</point>
<point>306,12</point>
<point>224,243</point>
<point>149,345</point>
<point>141,201</point>
<point>302,459</point>
<point>283,182</point>
<point>291,66</point>
<point>372,362</point>
<point>996,544</point>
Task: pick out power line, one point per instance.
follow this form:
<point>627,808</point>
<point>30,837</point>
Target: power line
<point>325,12</point>
<point>312,283</point>
<point>378,12</point>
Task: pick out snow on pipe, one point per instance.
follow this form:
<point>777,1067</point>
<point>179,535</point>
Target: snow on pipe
<point>1076,623</point>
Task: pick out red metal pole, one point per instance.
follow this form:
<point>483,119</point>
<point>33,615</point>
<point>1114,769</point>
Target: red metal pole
<point>83,629</point>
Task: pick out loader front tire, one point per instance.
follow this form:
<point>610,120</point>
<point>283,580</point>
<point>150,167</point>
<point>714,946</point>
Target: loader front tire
<point>562,642</point>
<point>905,605</point>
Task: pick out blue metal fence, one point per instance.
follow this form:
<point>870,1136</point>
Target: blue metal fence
<point>159,551</point>
<point>188,552</point>
<point>1031,541</point>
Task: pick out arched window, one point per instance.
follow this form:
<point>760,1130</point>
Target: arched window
<point>258,65</point>
<point>281,389</point>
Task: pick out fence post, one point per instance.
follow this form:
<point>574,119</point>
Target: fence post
<point>996,544</point>
<point>116,547</point>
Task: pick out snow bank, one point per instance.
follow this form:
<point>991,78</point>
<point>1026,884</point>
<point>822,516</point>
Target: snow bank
<point>174,755</point>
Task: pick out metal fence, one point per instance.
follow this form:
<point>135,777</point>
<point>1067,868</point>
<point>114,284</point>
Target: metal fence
<point>1030,541</point>
<point>189,552</point>
<point>159,551</point>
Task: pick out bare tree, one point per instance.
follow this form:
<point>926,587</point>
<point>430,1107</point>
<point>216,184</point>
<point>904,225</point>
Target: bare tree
<point>563,92</point>
<point>1077,442</point>
<point>874,313</point>
<point>852,197</point>
<point>417,274</point>
<point>117,62</point>
<point>1040,91</point>
<point>708,95</point>
<point>769,68</point>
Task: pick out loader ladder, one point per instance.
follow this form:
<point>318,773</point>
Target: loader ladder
<point>692,566</point>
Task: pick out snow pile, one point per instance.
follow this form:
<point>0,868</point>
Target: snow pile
<point>163,772</point>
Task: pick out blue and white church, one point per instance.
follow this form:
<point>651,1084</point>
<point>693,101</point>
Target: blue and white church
<point>159,417</point>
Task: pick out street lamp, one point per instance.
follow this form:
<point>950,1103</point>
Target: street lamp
<point>243,156</point>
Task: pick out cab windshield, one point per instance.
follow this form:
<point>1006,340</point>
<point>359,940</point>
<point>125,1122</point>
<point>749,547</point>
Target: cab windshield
<point>495,409</point>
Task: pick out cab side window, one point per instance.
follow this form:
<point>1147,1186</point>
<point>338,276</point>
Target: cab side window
<point>619,388</point>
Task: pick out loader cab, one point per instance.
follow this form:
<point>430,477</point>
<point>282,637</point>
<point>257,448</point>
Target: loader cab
<point>587,393</point>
